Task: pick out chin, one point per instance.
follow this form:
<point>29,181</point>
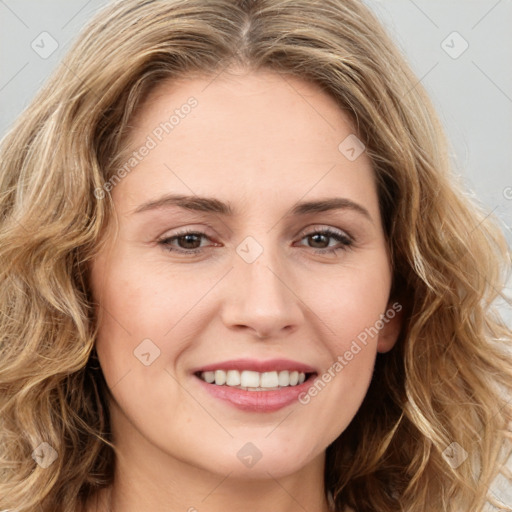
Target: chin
<point>257,457</point>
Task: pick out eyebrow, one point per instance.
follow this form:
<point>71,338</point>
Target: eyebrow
<point>212,205</point>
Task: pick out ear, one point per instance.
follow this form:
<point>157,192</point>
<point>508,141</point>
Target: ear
<point>392,320</point>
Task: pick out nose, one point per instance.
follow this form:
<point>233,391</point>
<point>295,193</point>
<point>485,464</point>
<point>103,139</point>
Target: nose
<point>259,299</point>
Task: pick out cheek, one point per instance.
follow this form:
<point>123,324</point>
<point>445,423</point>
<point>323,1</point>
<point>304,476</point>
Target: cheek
<point>144,328</point>
<point>348,307</point>
<point>350,302</point>
<point>172,309</point>
<point>146,302</point>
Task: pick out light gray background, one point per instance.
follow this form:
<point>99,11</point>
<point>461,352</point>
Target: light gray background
<point>473,92</point>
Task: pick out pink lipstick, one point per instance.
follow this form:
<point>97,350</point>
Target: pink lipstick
<point>256,385</point>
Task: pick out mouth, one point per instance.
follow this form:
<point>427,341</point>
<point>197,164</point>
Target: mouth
<point>248,380</point>
<point>256,386</point>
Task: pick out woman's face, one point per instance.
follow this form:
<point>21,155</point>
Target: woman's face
<point>286,272</point>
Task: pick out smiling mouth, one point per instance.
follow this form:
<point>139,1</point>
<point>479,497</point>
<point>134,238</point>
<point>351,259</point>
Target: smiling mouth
<point>249,380</point>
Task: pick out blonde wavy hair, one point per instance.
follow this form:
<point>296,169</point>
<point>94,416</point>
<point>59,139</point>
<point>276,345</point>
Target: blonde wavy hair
<point>448,379</point>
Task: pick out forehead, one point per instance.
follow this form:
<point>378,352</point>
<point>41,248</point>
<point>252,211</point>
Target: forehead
<point>248,136</point>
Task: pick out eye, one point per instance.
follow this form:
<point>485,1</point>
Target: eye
<point>190,242</point>
<point>186,242</point>
<point>321,238</point>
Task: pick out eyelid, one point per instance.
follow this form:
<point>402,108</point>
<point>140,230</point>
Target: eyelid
<point>321,228</point>
<point>344,240</point>
<point>309,230</point>
<point>187,229</point>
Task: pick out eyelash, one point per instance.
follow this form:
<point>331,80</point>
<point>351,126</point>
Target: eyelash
<point>345,240</point>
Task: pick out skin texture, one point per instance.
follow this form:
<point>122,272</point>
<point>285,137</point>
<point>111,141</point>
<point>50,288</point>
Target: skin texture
<point>260,142</point>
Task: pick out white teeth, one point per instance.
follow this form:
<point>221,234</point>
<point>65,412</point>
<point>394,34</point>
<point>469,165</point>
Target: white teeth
<point>233,378</point>
<point>208,377</point>
<point>269,380</point>
<point>220,377</point>
<point>284,378</point>
<point>254,381</point>
<point>250,379</point>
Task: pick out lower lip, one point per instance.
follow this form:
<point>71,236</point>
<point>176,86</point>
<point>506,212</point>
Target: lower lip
<point>257,401</point>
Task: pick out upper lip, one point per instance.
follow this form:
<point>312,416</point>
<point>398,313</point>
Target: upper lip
<point>257,365</point>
